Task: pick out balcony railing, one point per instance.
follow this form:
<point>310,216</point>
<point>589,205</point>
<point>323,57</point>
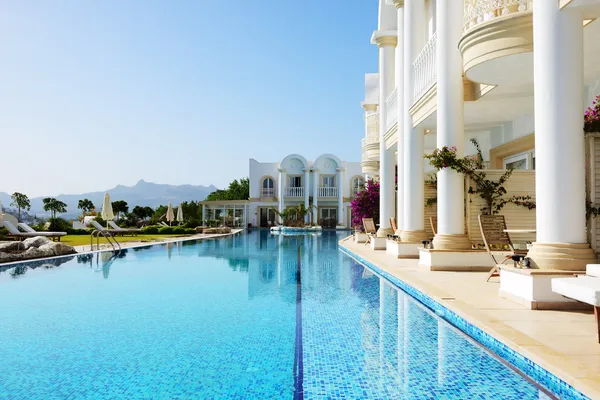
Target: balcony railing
<point>479,11</point>
<point>294,192</point>
<point>391,106</point>
<point>328,191</point>
<point>268,193</point>
<point>425,69</point>
<point>372,121</point>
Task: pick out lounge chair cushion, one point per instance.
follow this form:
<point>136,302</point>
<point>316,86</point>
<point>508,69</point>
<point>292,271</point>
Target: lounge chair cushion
<point>593,270</point>
<point>583,288</point>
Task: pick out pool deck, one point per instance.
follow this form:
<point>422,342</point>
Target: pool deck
<point>126,245</point>
<point>563,342</point>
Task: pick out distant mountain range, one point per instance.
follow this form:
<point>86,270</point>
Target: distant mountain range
<point>141,194</point>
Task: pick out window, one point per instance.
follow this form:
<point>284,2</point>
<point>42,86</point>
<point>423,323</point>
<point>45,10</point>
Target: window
<point>327,213</point>
<point>329,181</point>
<point>357,185</point>
<point>295,181</point>
<point>268,188</point>
<point>520,161</point>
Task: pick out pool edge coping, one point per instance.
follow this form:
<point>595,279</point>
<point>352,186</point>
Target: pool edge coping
<point>481,335</point>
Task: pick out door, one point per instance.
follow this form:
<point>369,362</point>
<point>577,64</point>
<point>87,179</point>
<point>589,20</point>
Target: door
<point>267,217</point>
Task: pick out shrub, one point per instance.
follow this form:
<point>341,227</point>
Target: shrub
<point>179,230</point>
<point>190,231</point>
<point>192,223</point>
<point>165,230</point>
<point>58,225</point>
<point>150,230</point>
<point>3,232</point>
<point>73,231</point>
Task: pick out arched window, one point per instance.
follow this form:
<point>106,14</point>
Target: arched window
<point>358,184</point>
<point>268,188</point>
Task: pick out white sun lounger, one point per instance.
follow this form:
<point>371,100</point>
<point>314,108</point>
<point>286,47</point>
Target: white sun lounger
<point>584,288</point>
<point>14,231</point>
<point>117,228</point>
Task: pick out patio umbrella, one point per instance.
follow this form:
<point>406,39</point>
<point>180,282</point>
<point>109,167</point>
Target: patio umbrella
<point>107,211</point>
<point>170,216</point>
<point>179,214</point>
<point>1,215</point>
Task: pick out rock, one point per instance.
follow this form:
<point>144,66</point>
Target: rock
<point>33,252</point>
<point>58,249</point>
<point>35,242</point>
<point>8,257</point>
<point>10,246</point>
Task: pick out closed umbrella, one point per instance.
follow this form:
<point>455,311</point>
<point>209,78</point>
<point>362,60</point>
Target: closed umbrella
<point>1,215</point>
<point>107,211</point>
<point>170,215</point>
<point>180,215</point>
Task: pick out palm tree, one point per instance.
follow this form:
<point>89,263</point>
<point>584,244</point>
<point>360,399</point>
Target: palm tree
<point>21,201</point>
<point>294,215</point>
<point>53,205</point>
<point>86,206</point>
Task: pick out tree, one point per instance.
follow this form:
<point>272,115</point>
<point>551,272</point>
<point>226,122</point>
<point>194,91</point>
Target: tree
<point>120,206</point>
<point>236,191</point>
<point>366,204</point>
<point>54,206</point>
<point>85,205</point>
<point>21,201</point>
<point>142,212</point>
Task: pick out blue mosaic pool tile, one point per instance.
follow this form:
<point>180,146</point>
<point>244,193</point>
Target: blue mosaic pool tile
<point>522,363</point>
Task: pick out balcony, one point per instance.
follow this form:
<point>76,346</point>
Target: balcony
<point>497,41</point>
<point>368,166</point>
<point>328,191</point>
<point>372,139</point>
<point>294,192</point>
<point>391,107</point>
<point>267,192</point>
<point>425,69</point>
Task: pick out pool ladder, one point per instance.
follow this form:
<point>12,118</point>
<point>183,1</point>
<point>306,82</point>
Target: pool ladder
<point>108,236</point>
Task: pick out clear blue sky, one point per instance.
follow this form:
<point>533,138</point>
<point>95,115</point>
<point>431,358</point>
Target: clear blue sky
<point>99,93</point>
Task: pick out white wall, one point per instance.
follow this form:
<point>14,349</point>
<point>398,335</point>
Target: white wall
<point>257,171</point>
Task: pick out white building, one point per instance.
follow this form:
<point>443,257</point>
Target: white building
<point>454,70</point>
<point>327,183</point>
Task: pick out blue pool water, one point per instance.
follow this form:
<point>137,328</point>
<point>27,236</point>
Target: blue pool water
<point>226,319</point>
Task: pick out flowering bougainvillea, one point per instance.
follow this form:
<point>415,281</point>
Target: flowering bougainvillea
<point>366,204</point>
<point>592,117</point>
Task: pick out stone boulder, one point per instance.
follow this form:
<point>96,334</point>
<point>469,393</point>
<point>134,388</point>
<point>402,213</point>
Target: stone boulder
<point>35,247</point>
<point>35,242</point>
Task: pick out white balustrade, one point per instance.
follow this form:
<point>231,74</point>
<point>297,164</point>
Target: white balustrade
<point>328,191</point>
<point>294,192</point>
<point>392,110</point>
<point>425,69</point>
<point>479,11</point>
<point>372,128</point>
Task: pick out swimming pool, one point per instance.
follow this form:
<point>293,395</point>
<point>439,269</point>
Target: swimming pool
<point>227,319</point>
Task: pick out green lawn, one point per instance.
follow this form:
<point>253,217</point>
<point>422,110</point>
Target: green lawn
<point>78,240</point>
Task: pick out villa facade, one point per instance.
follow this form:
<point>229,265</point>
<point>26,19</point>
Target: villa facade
<point>452,71</point>
<point>328,184</point>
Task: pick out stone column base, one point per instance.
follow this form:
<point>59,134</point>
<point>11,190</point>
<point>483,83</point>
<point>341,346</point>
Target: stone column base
<point>561,256</point>
<point>384,232</point>
<point>414,236</point>
<point>452,242</point>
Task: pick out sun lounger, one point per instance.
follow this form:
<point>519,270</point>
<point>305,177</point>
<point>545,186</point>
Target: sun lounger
<point>15,232</point>
<point>162,223</point>
<point>370,230</point>
<point>117,228</point>
<point>394,226</point>
<point>496,240</point>
<point>585,289</point>
<point>100,228</point>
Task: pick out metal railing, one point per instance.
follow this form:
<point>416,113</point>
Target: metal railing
<point>109,238</point>
<point>328,191</point>
<point>479,11</point>
<point>268,192</point>
<point>391,107</point>
<point>425,69</point>
<point>294,192</point>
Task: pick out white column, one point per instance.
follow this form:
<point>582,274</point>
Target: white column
<point>559,140</point>
<point>450,126</point>
<point>340,185</point>
<point>414,177</point>
<point>387,50</point>
<point>400,105</point>
<point>280,188</point>
<point>315,181</point>
<point>306,191</point>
